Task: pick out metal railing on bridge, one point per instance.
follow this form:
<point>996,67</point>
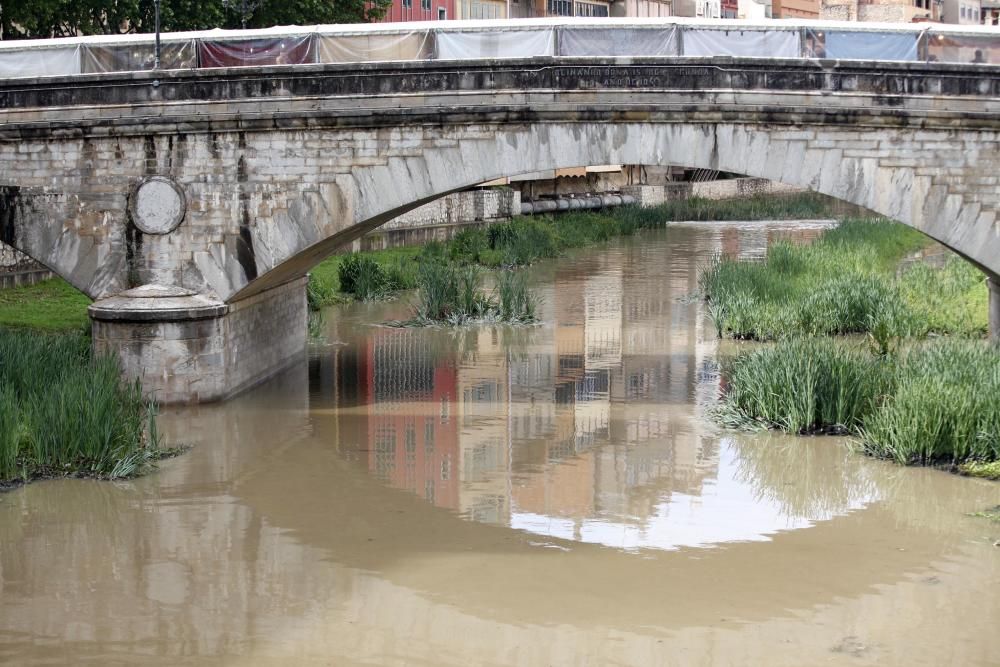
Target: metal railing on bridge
<point>517,38</point>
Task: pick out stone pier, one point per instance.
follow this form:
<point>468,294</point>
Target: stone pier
<point>190,348</point>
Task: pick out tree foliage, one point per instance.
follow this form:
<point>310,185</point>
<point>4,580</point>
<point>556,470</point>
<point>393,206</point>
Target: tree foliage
<point>34,19</point>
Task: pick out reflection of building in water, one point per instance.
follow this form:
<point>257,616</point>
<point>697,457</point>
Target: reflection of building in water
<point>595,416</point>
<point>406,433</point>
<point>481,407</point>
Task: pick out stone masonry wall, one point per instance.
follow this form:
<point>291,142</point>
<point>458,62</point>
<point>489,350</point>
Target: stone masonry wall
<point>265,333</point>
<point>735,188</point>
<point>479,205</point>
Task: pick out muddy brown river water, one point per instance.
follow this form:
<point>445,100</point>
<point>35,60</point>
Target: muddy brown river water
<point>496,496</point>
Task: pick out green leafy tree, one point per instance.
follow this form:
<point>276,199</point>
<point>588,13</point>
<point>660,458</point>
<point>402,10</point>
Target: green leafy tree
<point>34,19</point>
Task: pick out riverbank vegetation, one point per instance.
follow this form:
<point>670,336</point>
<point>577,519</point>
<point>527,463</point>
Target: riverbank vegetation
<point>66,412</point>
<point>931,403</point>
<point>845,283</point>
<point>527,239</point>
<point>905,392</point>
<point>51,305</point>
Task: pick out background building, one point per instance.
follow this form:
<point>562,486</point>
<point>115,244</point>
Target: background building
<point>961,11</point>
<point>796,9</point>
<point>886,11</point>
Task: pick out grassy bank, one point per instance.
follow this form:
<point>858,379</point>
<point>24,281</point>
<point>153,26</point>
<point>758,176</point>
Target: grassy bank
<point>527,239</point>
<point>846,282</point>
<point>65,412</point>
<point>51,305</point>
<point>931,403</point>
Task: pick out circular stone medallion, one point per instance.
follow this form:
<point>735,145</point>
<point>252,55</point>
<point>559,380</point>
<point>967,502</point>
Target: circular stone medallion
<point>158,205</point>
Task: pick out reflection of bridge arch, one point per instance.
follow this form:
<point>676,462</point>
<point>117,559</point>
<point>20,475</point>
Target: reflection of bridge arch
<point>281,166</point>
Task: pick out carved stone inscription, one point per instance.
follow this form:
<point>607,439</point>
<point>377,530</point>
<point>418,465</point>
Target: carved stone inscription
<point>621,77</point>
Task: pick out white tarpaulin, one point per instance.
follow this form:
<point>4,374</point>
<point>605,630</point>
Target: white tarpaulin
<point>979,49</point>
<point>131,57</point>
<point>362,48</point>
<point>40,62</point>
<point>288,50</point>
<point>870,45</point>
<point>495,44</point>
<point>753,43</point>
<point>611,41</point>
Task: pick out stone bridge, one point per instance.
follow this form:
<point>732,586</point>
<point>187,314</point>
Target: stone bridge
<point>191,204</point>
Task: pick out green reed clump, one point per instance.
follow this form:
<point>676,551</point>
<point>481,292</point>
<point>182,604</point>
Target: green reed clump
<point>515,301</point>
<point>64,411</point>
<point>843,283</point>
<point>367,280</point>
<point>454,294</point>
<point>805,385</point>
<point>438,291</point>
<point>468,245</point>
<point>944,407</point>
<point>934,403</point>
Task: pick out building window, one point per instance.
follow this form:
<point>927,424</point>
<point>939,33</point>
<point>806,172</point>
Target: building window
<point>407,4</point>
<point>561,7</point>
<point>590,9</point>
<point>425,5</point>
<point>442,14</point>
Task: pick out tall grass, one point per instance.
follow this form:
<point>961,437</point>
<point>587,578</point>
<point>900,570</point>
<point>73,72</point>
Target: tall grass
<point>64,411</point>
<point>844,283</point>
<point>454,294</point>
<point>945,407</point>
<point>935,402</point>
<point>806,385</point>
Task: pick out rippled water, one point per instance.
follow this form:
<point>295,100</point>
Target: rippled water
<point>549,496</point>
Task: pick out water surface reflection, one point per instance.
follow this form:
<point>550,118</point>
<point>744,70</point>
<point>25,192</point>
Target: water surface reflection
<point>550,496</point>
<point>589,427</point>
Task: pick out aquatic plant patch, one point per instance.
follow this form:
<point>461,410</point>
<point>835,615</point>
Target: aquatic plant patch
<point>454,295</point>
<point>64,411</point>
<point>930,403</point>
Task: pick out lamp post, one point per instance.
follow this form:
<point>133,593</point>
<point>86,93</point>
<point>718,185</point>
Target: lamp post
<point>156,21</point>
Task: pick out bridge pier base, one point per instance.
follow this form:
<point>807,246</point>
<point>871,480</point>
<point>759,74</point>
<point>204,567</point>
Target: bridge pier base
<point>190,348</point>
<point>993,282</point>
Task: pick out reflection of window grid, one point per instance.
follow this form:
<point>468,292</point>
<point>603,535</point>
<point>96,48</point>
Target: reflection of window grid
<point>428,436</point>
<point>410,453</point>
<point>410,441</point>
<point>385,451</point>
<point>429,490</point>
<point>403,367</point>
<point>487,509</point>
<point>446,468</point>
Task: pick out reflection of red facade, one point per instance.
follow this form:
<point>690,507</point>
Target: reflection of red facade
<point>412,436</point>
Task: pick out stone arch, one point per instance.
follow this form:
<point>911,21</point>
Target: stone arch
<point>37,224</point>
<point>923,178</point>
